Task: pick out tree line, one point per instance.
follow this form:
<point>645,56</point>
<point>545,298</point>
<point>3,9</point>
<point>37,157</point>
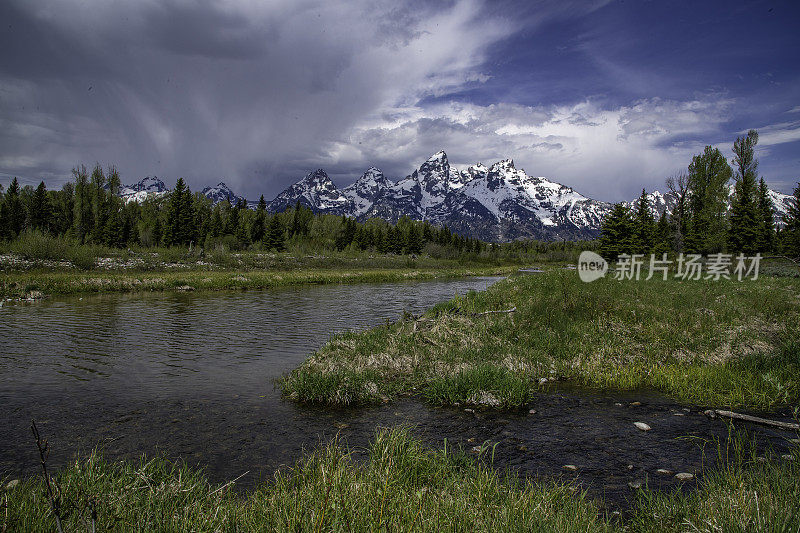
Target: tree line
<point>88,210</point>
<point>707,217</point>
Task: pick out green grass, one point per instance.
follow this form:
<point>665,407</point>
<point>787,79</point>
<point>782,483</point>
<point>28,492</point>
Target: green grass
<point>19,284</point>
<point>725,343</point>
<point>742,494</point>
<point>402,486</point>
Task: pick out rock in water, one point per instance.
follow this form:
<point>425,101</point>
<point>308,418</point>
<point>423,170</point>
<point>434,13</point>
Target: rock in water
<point>642,426</point>
<point>11,484</point>
<point>635,484</point>
<point>571,468</point>
<point>684,476</point>
<point>664,471</point>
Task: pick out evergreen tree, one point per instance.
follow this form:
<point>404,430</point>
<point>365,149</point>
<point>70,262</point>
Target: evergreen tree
<point>767,219</point>
<point>662,243</point>
<point>643,226</point>
<point>114,230</point>
<point>157,235</point>
<point>12,219</point>
<point>617,233</point>
<point>707,221</point>
<point>744,234</point>
<point>187,233</point>
<point>40,211</point>
<point>414,240</point>
<point>257,228</point>
<point>275,238</point>
<point>173,235</point>
<point>791,230</point>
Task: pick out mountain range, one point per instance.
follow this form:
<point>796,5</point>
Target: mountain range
<point>496,203</point>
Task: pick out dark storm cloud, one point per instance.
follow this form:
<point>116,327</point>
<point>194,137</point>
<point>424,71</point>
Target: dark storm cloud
<point>253,93</point>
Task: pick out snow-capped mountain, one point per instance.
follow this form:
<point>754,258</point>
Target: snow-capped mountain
<point>221,192</point>
<point>146,187</point>
<point>315,191</point>
<point>494,203</point>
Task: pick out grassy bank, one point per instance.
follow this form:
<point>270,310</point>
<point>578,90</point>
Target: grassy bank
<point>723,343</point>
<point>402,487</point>
<point>45,283</point>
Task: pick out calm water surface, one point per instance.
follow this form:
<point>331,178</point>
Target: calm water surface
<point>191,376</point>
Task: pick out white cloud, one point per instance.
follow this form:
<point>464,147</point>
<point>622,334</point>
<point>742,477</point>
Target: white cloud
<point>607,153</point>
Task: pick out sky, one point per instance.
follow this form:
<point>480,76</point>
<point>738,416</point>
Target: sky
<point>604,96</point>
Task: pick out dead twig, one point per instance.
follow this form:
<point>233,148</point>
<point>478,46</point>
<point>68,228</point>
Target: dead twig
<point>44,453</point>
<point>496,312</point>
<point>755,419</point>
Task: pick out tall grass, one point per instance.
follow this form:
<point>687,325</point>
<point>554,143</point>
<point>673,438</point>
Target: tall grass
<point>35,245</point>
<point>724,343</point>
<point>399,486</point>
<point>402,487</point>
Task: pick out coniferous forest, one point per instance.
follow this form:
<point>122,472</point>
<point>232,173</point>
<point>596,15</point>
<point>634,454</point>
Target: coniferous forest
<point>707,217</point>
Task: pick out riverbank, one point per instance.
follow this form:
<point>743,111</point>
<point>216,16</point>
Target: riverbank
<point>712,343</point>
<point>402,486</point>
<point>37,284</point>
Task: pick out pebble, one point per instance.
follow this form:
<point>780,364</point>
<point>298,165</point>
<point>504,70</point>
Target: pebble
<point>11,484</point>
<point>571,468</point>
<point>787,457</point>
<point>476,449</point>
<point>617,404</point>
<point>636,404</point>
<point>542,381</point>
<point>469,410</point>
<point>794,441</point>
<point>642,426</point>
<point>761,459</point>
<point>684,476</point>
<point>635,484</point>
<point>664,472</point>
<point>679,414</point>
<point>629,467</point>
<point>532,412</point>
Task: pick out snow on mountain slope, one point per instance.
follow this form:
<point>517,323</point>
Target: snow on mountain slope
<point>221,192</point>
<point>149,186</point>
<point>366,189</point>
<point>317,192</point>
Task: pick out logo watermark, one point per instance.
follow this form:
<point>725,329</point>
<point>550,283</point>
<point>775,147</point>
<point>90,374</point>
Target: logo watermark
<point>592,266</point>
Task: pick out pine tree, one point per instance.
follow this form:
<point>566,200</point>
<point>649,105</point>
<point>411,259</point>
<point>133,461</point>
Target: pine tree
<point>172,229</point>
<point>186,223</point>
<point>274,237</point>
<point>617,233</point>
<point>414,240</point>
<point>767,219</point>
<point>707,220</point>
<point>257,228</point>
<point>743,235</point>
<point>791,230</point>
<point>40,211</point>
<point>157,235</point>
<point>663,236</point>
<point>13,212</point>
<point>644,226</point>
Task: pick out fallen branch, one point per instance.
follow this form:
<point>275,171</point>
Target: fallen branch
<point>493,312</point>
<point>755,419</point>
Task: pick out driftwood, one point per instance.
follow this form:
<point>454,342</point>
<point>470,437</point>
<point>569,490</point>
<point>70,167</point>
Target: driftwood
<point>493,312</point>
<point>755,419</point>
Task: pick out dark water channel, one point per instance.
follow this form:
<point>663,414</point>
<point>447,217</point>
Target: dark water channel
<point>190,376</point>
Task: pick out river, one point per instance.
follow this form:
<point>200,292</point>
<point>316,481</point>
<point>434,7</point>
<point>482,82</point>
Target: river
<point>191,376</point>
